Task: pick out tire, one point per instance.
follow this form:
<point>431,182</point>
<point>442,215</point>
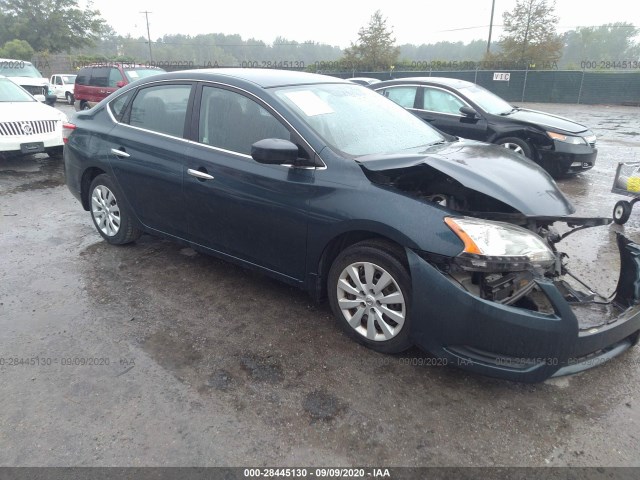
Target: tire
<point>361,307</point>
<point>84,106</point>
<point>109,213</point>
<point>69,97</point>
<point>516,145</point>
<point>621,212</point>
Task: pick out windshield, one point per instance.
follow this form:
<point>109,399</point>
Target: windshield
<point>18,68</point>
<point>486,100</point>
<point>356,120</point>
<point>10,92</point>
<point>134,74</point>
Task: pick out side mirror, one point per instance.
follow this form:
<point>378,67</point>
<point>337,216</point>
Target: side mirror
<point>120,84</point>
<point>274,151</point>
<point>468,112</point>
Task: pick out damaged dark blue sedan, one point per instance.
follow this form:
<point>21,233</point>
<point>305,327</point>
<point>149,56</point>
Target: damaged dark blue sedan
<point>416,239</point>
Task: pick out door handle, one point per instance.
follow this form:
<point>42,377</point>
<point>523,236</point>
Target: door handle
<point>120,153</point>
<point>199,175</point>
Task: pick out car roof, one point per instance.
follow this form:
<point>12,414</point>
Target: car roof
<point>449,82</point>
<point>265,78</point>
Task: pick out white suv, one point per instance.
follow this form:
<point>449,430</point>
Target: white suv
<point>62,86</point>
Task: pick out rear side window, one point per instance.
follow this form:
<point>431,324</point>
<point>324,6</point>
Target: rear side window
<point>161,109</point>
<point>118,105</point>
<point>99,77</point>
<point>403,96</point>
<point>83,76</point>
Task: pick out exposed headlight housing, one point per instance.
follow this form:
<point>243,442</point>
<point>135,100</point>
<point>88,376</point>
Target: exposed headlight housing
<point>567,138</point>
<point>499,247</point>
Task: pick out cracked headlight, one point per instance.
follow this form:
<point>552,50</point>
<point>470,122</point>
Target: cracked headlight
<point>499,247</point>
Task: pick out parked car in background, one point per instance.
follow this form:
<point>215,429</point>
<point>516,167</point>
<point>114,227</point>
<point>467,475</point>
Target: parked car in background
<point>26,125</point>
<point>467,110</point>
<point>363,80</point>
<point>96,82</point>
<point>415,239</point>
<point>23,73</point>
<point>62,86</point>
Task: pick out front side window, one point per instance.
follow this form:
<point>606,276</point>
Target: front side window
<point>234,122</point>
<point>161,109</point>
<point>114,77</point>
<point>437,100</point>
<point>403,96</point>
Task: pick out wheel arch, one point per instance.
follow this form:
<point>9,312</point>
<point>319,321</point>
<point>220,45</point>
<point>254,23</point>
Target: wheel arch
<point>85,182</point>
<point>343,241</point>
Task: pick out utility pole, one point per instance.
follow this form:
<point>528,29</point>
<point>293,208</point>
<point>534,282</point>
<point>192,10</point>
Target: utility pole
<point>493,7</point>
<point>146,14</point>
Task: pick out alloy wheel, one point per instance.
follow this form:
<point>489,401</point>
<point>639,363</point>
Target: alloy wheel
<point>371,301</point>
<point>105,210</point>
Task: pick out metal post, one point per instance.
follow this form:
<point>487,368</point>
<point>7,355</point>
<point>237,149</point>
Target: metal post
<point>580,90</point>
<point>524,86</point>
<point>493,7</point>
<point>475,78</point>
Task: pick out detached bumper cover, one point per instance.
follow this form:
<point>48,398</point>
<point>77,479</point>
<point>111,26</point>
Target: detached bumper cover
<point>516,343</point>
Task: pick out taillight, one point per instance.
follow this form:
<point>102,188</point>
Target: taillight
<point>67,128</point>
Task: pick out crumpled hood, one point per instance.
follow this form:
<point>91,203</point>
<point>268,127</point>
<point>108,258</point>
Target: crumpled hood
<point>488,169</point>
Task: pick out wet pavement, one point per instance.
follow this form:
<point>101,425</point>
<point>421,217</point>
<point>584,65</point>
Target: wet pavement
<point>152,354</point>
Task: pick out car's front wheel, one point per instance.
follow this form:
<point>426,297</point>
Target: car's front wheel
<point>516,145</point>
<point>370,294</point>
<point>110,215</point>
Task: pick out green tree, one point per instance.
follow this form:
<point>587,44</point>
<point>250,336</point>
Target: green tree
<point>375,48</point>
<point>50,25</point>
<point>612,42</point>
<point>530,33</point>
<point>17,49</point>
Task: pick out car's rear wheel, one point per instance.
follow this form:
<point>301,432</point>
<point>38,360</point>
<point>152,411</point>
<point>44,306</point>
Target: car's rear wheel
<point>110,215</point>
<point>370,294</point>
<point>69,97</point>
<point>516,145</point>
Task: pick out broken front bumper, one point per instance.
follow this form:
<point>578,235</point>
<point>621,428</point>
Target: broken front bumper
<point>516,343</point>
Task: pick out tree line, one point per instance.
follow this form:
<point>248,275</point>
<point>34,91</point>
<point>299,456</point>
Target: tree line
<point>44,27</point>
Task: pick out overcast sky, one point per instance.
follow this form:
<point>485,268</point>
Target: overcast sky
<point>336,22</point>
